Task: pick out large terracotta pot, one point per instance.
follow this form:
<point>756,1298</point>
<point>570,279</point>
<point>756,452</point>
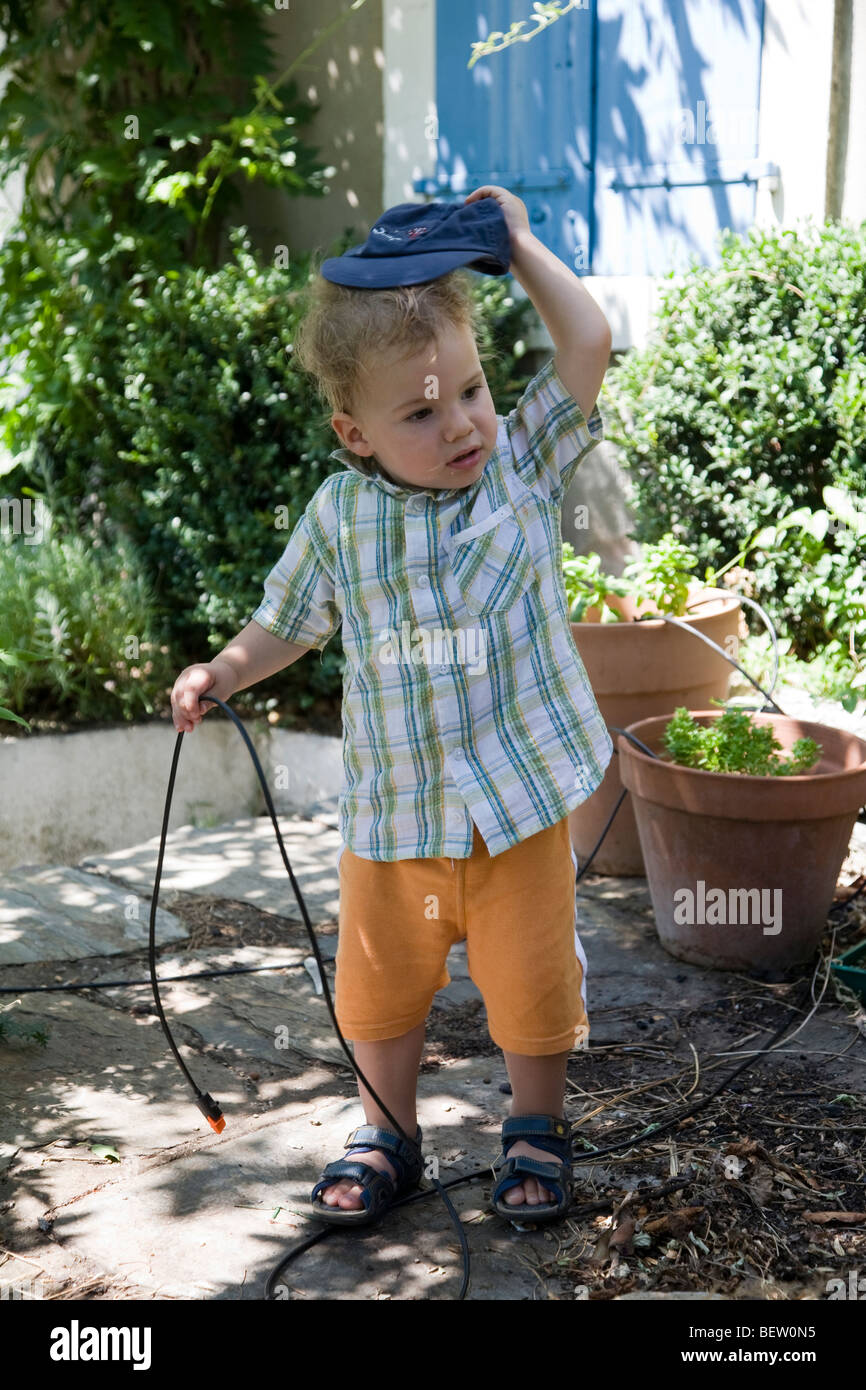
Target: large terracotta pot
<point>637,669</point>
<point>742,870</point>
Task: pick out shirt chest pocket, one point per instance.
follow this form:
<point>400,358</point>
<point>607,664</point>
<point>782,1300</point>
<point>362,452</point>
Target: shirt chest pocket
<point>491,563</point>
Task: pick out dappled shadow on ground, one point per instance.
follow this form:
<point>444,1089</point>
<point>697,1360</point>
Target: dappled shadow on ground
<point>759,1194</point>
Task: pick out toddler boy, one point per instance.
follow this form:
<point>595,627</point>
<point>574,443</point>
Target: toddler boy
<point>470,729</point>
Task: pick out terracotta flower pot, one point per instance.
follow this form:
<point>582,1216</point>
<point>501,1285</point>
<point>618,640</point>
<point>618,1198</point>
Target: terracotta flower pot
<point>742,869</point>
<point>637,670</point>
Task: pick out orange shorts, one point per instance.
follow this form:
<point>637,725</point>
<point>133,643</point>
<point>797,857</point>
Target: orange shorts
<point>517,913</point>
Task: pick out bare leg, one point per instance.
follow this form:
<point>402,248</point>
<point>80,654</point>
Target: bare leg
<point>391,1067</point>
<point>537,1088</point>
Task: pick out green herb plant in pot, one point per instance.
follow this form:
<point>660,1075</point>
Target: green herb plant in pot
<point>744,821</point>
<point>642,668</point>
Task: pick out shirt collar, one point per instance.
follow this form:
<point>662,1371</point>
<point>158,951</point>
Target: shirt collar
<point>399,490</point>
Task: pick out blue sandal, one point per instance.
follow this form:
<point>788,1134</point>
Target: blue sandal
<point>379,1189</point>
<point>550,1132</point>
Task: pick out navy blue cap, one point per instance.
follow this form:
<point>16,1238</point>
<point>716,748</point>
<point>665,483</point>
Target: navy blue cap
<point>414,242</point>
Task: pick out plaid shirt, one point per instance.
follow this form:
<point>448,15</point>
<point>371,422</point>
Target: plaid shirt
<point>464,697</point>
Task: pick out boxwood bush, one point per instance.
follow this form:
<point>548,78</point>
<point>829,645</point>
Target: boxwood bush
<point>746,405</point>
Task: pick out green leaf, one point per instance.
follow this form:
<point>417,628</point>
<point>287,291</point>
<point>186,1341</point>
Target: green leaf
<point>766,538</point>
<point>817,524</point>
<point>8,714</point>
<point>105,1151</point>
<point>840,504</point>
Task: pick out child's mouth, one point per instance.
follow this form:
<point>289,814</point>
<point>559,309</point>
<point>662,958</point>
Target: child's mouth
<point>466,460</point>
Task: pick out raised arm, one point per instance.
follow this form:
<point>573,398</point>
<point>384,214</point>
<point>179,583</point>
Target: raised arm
<point>574,321</point>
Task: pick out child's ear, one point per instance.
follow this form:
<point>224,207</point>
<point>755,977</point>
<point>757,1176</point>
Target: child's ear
<point>350,435</point>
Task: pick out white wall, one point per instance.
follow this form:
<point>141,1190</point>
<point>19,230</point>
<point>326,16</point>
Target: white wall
<point>408,95</point>
<point>854,202</point>
<point>795,104</point>
<point>95,791</point>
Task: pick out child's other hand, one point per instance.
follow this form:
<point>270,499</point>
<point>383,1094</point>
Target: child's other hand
<point>193,682</point>
<point>516,216</point>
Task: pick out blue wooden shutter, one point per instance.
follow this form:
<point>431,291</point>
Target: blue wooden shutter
<point>677,127</point>
<point>519,118</point>
<point>628,127</point>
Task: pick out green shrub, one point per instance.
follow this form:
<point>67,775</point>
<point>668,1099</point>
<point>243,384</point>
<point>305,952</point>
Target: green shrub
<point>749,402</point>
<point>76,632</point>
<point>133,125</point>
<point>588,586</point>
<point>176,430</point>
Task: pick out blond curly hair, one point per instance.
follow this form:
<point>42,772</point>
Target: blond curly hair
<point>345,334</point>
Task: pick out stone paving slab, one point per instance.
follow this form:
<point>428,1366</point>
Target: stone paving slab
<point>799,704</point>
<point>242,861</point>
<point>50,912</point>
<point>105,1072</point>
<point>265,1014</point>
<point>215,1222</point>
<point>107,1075</point>
<point>254,1017</point>
<point>238,860</point>
<point>189,1214</point>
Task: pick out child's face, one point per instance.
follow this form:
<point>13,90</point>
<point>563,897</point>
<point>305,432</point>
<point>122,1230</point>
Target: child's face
<point>419,412</point>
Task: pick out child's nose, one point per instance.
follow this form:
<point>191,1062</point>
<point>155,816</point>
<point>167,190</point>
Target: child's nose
<point>458,423</point>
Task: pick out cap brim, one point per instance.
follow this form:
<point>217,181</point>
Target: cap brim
<point>383,272</point>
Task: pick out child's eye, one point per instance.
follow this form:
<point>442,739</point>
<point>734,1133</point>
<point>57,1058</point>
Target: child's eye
<point>426,409</point>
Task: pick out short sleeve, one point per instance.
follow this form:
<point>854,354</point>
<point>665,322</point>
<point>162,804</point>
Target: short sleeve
<point>548,434</point>
<point>298,603</point>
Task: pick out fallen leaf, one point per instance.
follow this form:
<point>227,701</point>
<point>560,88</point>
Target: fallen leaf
<point>622,1236</point>
<point>105,1151</point>
<point>674,1223</point>
<point>848,1218</point>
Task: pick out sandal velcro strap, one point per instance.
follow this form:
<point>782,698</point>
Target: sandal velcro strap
<point>373,1136</point>
<point>531,1127</point>
<point>533,1166</point>
<point>363,1173</point>
<point>547,1132</point>
<point>555,1177</point>
<point>404,1157</point>
<point>376,1188</point>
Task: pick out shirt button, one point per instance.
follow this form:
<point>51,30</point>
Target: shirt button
<point>423,581</point>
<point>444,670</point>
<point>459,753</point>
